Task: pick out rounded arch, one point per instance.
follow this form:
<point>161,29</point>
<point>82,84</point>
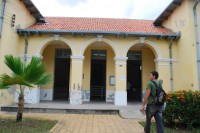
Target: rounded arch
<point>44,43</point>
<point>109,42</point>
<point>155,47</point>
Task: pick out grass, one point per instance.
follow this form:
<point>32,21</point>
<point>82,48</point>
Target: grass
<point>167,129</point>
<point>28,125</point>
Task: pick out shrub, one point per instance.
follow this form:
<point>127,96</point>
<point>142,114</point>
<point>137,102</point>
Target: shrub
<point>183,108</point>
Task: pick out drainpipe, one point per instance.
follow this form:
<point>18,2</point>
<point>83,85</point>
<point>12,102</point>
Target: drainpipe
<point>26,47</point>
<point>197,39</point>
<point>2,14</point>
<point>171,65</point>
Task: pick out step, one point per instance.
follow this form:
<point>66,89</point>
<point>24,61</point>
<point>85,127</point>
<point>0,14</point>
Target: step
<point>61,111</point>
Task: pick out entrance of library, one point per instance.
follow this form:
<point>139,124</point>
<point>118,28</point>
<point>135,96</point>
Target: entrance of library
<point>134,65</point>
<point>98,75</point>
<point>61,74</point>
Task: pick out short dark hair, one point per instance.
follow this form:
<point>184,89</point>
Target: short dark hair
<point>155,73</point>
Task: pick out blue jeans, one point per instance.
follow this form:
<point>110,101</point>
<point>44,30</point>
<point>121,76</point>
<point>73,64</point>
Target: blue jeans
<point>156,111</point>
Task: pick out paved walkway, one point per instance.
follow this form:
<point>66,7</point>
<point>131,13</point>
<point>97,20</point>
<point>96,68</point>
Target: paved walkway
<point>85,123</point>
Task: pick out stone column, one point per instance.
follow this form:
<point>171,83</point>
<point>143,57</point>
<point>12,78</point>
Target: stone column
<point>120,78</point>
<point>76,75</point>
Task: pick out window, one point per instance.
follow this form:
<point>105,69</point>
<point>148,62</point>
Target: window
<point>98,54</point>
<point>63,53</point>
<point>134,55</point>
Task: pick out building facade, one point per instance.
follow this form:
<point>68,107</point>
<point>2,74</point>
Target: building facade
<point>99,59</point>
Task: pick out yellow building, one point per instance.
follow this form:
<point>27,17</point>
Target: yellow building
<point>101,59</point>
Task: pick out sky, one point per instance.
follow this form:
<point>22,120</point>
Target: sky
<point>131,9</point>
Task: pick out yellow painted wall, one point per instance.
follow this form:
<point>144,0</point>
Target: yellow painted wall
<point>6,97</point>
<point>121,43</point>
<point>148,63</point>
<point>9,41</point>
<point>182,20</point>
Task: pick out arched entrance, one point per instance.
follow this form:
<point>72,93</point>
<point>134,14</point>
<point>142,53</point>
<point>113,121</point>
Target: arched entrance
<point>61,73</point>
<point>56,55</point>
<point>98,68</point>
<point>134,74</point>
<point>140,63</point>
<point>98,74</point>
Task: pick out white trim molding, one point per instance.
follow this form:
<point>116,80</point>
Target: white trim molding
<point>78,57</point>
<point>109,42</point>
<point>100,38</point>
<point>44,43</point>
<point>120,58</point>
<point>56,36</point>
<point>142,39</point>
<point>151,44</point>
<point>165,60</point>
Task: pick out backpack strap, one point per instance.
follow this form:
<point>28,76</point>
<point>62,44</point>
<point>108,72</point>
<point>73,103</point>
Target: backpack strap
<point>156,88</point>
<point>155,84</point>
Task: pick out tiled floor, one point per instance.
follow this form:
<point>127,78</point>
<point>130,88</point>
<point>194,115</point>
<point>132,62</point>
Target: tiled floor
<point>85,123</point>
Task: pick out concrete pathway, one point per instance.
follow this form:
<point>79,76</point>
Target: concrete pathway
<point>87,123</point>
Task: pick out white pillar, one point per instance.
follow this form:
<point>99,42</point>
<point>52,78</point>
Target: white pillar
<point>120,78</point>
<point>76,80</point>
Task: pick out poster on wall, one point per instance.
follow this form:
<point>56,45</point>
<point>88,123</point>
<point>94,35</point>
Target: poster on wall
<point>112,80</point>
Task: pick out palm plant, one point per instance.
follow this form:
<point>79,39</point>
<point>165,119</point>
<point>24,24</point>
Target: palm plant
<point>24,75</point>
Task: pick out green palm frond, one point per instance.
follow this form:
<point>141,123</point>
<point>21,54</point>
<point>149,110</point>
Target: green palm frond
<point>35,72</point>
<point>44,79</point>
<point>28,75</point>
<point>15,64</point>
<point>7,81</point>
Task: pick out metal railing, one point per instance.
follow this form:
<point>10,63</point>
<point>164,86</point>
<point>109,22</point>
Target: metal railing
<point>98,91</point>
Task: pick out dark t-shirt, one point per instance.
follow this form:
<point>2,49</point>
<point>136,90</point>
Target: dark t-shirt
<point>152,87</point>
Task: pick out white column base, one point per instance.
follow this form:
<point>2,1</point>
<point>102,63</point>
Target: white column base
<point>121,98</point>
<point>46,94</point>
<point>30,95</point>
<point>110,95</point>
<point>86,95</point>
<point>75,97</point>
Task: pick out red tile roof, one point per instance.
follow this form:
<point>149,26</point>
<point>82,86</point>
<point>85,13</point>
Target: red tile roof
<point>100,24</point>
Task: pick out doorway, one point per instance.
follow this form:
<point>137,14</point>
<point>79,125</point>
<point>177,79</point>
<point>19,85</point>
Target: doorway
<point>98,75</point>
<point>61,74</point>
<point>134,65</point>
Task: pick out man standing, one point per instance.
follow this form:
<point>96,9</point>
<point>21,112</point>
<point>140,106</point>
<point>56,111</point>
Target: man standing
<point>151,108</point>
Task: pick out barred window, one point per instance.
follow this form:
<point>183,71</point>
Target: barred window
<point>134,55</point>
<point>63,53</point>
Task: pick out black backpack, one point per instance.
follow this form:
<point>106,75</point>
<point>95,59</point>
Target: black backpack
<point>160,97</point>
